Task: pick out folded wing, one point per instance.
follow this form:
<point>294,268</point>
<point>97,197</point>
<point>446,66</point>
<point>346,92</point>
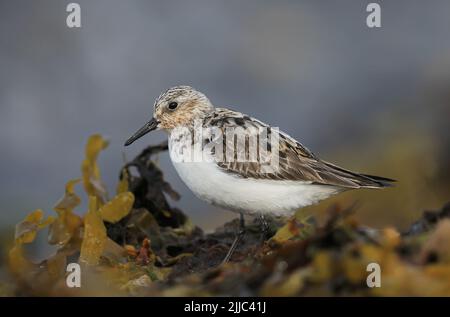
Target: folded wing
<point>295,162</point>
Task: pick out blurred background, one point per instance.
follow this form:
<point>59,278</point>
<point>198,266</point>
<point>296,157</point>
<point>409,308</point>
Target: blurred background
<point>370,100</point>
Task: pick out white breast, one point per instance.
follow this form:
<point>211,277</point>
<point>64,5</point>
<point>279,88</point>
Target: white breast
<point>208,182</point>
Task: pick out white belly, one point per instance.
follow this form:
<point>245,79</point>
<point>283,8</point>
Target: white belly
<point>249,196</point>
<point>208,182</point>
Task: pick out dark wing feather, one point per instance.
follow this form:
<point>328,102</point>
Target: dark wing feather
<point>296,162</point>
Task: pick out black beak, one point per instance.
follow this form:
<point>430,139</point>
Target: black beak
<point>148,127</point>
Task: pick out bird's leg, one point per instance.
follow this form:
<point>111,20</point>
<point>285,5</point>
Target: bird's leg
<point>264,228</point>
<point>237,240</point>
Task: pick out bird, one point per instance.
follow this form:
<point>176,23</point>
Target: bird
<point>213,151</point>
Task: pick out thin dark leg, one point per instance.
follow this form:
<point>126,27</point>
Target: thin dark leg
<point>264,228</point>
<point>237,240</point>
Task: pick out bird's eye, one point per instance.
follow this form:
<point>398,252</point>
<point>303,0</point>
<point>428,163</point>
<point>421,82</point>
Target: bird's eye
<point>173,105</point>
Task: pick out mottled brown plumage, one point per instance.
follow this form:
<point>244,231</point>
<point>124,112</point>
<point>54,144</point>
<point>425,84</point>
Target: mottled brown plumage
<point>296,162</point>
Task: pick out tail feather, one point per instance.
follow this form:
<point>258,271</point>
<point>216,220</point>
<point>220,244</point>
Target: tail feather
<point>362,180</point>
<point>381,181</point>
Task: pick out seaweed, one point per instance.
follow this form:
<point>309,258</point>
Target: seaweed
<point>137,244</point>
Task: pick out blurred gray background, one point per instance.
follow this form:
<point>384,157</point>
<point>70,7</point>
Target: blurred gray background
<point>312,68</point>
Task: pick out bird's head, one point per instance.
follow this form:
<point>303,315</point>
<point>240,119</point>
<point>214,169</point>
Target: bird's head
<point>179,106</point>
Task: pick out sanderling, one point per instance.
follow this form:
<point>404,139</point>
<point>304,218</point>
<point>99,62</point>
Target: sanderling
<point>239,163</point>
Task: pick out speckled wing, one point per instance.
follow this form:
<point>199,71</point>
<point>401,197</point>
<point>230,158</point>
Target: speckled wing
<point>295,162</point>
